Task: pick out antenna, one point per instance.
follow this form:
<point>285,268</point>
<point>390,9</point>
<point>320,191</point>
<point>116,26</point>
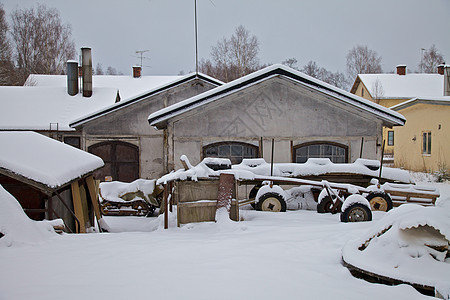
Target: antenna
<point>141,52</point>
<point>196,39</point>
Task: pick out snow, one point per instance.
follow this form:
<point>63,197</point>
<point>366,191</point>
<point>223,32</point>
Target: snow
<point>237,85</point>
<point>352,199</point>
<point>405,86</point>
<point>320,166</point>
<point>127,85</point>
<point>292,255</point>
<point>399,245</point>
<point>17,228</point>
<point>45,108</point>
<point>113,191</point>
<point>43,159</point>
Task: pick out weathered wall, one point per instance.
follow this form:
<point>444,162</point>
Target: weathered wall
<point>277,108</point>
<point>130,124</point>
<point>408,138</point>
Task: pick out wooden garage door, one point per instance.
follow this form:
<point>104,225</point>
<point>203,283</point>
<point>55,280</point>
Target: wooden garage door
<point>121,160</point>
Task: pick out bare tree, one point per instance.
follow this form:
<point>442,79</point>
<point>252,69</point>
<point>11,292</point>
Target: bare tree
<point>377,90</point>
<point>99,69</point>
<point>337,79</point>
<point>42,43</point>
<point>362,60</point>
<point>291,63</point>
<point>431,60</point>
<point>233,58</point>
<point>6,64</point>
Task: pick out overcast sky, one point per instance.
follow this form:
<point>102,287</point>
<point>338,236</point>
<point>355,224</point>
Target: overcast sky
<point>319,30</point>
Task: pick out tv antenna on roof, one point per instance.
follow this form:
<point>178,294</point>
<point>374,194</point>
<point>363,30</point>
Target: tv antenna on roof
<point>141,52</point>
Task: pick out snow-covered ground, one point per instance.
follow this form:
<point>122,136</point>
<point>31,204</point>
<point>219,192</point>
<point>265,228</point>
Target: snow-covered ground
<point>292,255</point>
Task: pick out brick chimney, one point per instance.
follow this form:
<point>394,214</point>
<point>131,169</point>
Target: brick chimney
<point>401,70</point>
<point>137,71</point>
<point>440,69</point>
<point>447,80</point>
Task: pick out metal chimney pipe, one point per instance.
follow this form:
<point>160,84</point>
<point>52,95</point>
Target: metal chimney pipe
<point>72,77</point>
<point>86,64</point>
<point>447,80</point>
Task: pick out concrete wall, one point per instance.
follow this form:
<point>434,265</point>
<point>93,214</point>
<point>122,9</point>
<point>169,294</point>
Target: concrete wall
<point>276,108</point>
<point>130,124</point>
<point>408,139</point>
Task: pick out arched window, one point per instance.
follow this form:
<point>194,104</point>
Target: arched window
<point>337,153</point>
<point>235,151</point>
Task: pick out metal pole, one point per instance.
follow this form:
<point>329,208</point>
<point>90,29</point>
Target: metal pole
<point>271,161</point>
<point>381,162</point>
<point>362,145</point>
<point>196,39</point>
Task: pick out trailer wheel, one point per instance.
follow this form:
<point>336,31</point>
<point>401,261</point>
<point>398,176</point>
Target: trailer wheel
<point>379,201</point>
<point>325,205</point>
<point>253,193</point>
<point>356,212</point>
<point>271,202</point>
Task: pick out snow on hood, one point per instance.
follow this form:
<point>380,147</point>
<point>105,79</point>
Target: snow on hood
<point>43,159</point>
<point>410,243</point>
<point>16,227</point>
<point>320,166</point>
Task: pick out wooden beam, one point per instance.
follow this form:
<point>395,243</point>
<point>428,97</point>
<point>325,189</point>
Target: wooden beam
<point>78,207</point>
<point>93,192</point>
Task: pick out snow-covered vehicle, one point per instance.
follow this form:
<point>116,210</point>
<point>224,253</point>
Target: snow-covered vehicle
<point>140,197</point>
<point>269,193</point>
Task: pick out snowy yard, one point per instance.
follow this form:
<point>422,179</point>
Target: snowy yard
<point>292,255</point>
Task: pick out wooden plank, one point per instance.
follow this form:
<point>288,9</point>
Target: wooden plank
<point>93,192</point>
<point>78,208</point>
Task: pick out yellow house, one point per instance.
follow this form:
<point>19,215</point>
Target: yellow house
<point>389,90</point>
<point>423,143</point>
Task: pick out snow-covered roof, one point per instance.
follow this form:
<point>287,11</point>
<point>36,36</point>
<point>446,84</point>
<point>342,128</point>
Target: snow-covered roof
<point>394,86</point>
<point>35,108</point>
<point>42,160</point>
<point>149,92</point>
<point>128,86</point>
<point>428,100</point>
<point>390,117</point>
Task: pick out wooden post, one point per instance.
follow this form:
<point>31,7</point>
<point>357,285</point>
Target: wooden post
<point>171,196</point>
<point>78,207</point>
<point>94,199</point>
<point>381,164</point>
<point>166,210</point>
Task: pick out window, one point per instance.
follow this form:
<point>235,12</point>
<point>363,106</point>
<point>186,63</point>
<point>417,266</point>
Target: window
<point>390,138</point>
<point>362,92</point>
<point>335,152</point>
<point>232,150</point>
<point>73,141</point>
<point>426,143</point>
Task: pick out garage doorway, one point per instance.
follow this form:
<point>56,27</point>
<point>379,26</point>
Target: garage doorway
<point>121,161</point>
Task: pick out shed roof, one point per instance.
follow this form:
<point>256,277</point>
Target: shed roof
<point>160,117</point>
<point>407,86</point>
<point>148,93</point>
<point>34,108</point>
<point>43,162</point>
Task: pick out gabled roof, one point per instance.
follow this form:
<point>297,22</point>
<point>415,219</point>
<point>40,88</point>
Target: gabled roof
<point>160,117</point>
<point>43,162</point>
<point>127,85</point>
<point>39,108</point>
<point>423,100</point>
<point>112,108</point>
<point>407,86</point>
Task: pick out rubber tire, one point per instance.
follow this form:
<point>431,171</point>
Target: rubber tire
<point>374,199</point>
<point>252,194</point>
<point>349,214</point>
<point>325,205</point>
<point>269,197</point>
